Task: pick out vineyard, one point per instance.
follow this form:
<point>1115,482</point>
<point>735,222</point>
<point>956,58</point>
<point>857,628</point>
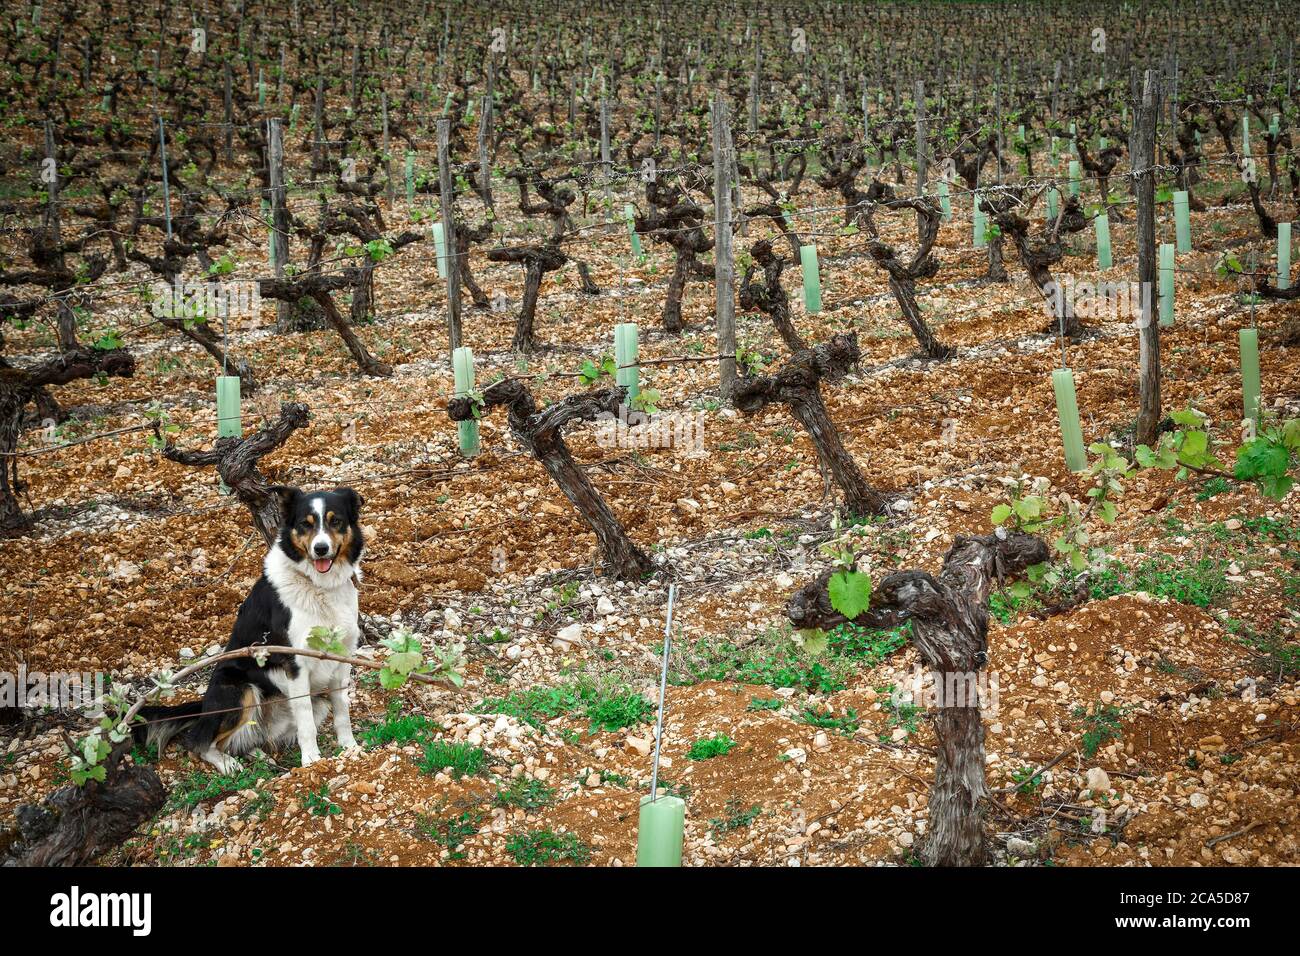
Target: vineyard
<point>927,372</point>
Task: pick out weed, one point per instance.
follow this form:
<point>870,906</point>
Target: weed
<point>735,817</point>
<point>608,707</point>
<point>525,794</point>
<point>540,847</point>
<point>318,802</point>
<point>847,725</point>
<point>451,832</point>
<point>462,759</point>
<point>1101,726</point>
<point>396,727</point>
<point>708,748</point>
<point>1200,583</point>
<point>198,786</point>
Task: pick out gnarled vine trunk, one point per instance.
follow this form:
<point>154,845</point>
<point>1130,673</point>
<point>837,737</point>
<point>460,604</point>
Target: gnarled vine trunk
<point>949,616</point>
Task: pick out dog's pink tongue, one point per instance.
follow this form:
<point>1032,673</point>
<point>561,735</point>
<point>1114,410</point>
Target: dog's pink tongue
<point>323,565</point>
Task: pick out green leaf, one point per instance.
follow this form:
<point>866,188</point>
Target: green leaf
<point>1001,513</point>
<point>850,592</point>
<point>1029,508</point>
<point>1194,445</point>
<point>1020,589</point>
<point>813,640</point>
<point>1275,487</point>
<point>1261,458</point>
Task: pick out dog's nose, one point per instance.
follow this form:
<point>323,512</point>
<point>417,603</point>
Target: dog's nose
<point>321,548</point>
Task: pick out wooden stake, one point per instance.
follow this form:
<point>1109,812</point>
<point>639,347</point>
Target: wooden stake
<point>449,227</point>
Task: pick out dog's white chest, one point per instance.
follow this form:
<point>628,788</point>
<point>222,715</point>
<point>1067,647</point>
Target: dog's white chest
<point>311,606</point>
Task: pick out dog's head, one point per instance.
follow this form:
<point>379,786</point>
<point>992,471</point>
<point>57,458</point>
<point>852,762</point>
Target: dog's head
<point>320,529</point>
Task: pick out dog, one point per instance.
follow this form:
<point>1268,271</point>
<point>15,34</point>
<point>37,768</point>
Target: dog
<point>310,578</point>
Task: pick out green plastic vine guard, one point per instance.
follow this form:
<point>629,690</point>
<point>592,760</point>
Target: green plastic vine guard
<point>1102,223</point>
<point>1076,179</point>
<point>1053,202</point>
<point>1248,341</point>
<point>980,226</point>
<point>293,118</point>
<point>1067,411</point>
<point>661,819</point>
<point>261,88</point>
<point>812,280</point>
<point>1245,135</point>
<point>440,248</point>
<point>410,177</point>
<point>1284,255</point>
<point>659,831</point>
<point>229,423</point>
<point>1056,147</point>
<point>1182,221</point>
<point>1166,284</point>
<point>462,366</point>
<point>626,348</point>
<point>945,201</point>
<point>629,213</point>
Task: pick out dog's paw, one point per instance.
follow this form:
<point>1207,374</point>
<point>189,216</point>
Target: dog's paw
<point>350,748</point>
<point>227,765</point>
<point>310,756</point>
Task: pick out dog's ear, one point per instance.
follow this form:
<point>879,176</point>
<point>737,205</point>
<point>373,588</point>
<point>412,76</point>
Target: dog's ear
<point>288,498</point>
<point>353,500</point>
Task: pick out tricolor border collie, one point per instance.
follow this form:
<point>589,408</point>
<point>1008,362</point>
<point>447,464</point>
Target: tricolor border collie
<point>309,579</point>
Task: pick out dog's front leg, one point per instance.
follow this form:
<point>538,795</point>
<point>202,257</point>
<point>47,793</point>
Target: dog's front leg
<point>339,705</point>
<point>304,720</point>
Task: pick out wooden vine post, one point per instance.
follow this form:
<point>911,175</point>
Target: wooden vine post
<point>949,615</point>
<point>1144,158</point>
<point>449,227</point>
<point>723,263</point>
<point>540,434</point>
<point>279,212</point>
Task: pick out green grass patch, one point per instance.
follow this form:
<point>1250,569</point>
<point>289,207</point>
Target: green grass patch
<point>772,659</point>
<point>825,719</point>
<point>607,707</point>
<point>451,832</point>
<point>462,759</point>
<point>1100,726</point>
<point>1199,583</point>
<point>708,748</point>
<point>525,794</point>
<point>735,817</point>
<point>198,786</point>
<point>865,645</point>
<point>542,847</point>
<point>396,728</point>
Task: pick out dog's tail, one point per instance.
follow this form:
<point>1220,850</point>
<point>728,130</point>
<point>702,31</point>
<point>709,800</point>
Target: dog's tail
<point>161,724</point>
